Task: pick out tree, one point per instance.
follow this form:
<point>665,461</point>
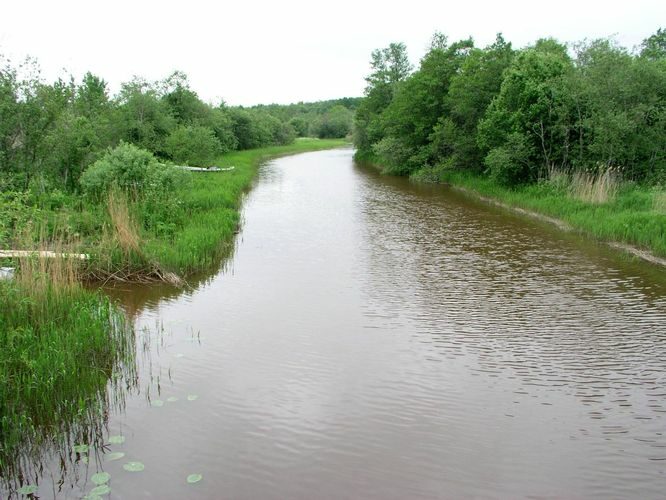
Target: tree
<point>470,92</point>
<point>528,106</point>
<point>390,66</point>
<point>334,123</point>
<point>141,117</point>
<point>654,47</point>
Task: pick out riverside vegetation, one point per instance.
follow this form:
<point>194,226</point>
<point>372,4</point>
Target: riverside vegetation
<point>83,172</point>
<point>577,133</point>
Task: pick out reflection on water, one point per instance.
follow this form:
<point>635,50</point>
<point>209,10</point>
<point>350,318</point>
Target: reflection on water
<point>373,338</point>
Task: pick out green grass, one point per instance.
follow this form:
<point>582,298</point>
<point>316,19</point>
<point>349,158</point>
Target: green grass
<point>59,347</point>
<point>633,216</point>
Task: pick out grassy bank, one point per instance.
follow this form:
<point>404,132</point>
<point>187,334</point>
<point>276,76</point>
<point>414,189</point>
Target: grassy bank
<point>156,236</point>
<point>605,209</point>
<point>60,345</point>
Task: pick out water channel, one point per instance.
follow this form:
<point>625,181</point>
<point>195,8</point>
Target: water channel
<point>374,338</point>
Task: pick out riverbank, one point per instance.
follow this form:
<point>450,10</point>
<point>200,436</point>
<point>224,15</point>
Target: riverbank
<point>203,226</point>
<point>633,219</point>
<point>60,343</point>
<point>164,238</point>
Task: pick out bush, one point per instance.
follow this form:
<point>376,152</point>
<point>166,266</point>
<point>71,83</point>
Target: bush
<point>193,145</point>
<point>15,215</point>
<point>133,170</point>
<point>509,164</point>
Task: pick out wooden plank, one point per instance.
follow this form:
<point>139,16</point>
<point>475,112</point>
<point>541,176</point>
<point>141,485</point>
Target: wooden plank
<point>42,254</point>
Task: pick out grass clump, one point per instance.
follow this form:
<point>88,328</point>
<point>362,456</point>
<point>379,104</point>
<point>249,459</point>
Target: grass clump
<point>59,347</point>
<point>593,188</point>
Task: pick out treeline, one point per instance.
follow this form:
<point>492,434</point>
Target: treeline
<point>516,115</point>
<point>330,119</point>
<point>51,132</point>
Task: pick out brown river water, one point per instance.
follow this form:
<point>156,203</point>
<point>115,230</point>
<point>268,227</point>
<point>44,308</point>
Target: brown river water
<point>373,338</point>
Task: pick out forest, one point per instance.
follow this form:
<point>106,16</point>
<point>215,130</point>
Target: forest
<point>518,115</point>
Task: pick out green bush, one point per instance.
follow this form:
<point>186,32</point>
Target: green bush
<point>133,170</point>
<point>15,215</point>
<point>509,164</point>
<point>193,145</point>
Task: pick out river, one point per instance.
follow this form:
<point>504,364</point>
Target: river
<point>374,338</point>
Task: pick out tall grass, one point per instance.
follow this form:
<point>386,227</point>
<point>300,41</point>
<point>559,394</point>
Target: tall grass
<point>59,346</point>
<point>659,203</point>
<point>596,188</point>
<point>124,226</point>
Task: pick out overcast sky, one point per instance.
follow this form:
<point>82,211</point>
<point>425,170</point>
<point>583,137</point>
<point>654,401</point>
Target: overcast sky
<point>250,52</point>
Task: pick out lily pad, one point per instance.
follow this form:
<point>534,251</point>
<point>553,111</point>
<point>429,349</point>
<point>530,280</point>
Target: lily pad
<point>172,399</point>
<point>194,478</point>
<point>80,448</point>
<point>157,402</point>
<point>179,355</point>
<point>192,397</point>
<point>84,459</point>
<point>134,466</point>
<point>116,455</point>
<point>28,489</point>
<point>100,478</point>
<point>98,491</point>
<point>117,439</point>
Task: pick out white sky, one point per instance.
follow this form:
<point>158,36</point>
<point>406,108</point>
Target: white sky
<point>250,52</point>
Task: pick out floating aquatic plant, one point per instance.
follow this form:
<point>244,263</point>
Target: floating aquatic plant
<point>134,466</point>
<point>100,490</point>
<point>100,478</point>
<point>194,478</point>
<point>157,403</point>
<point>117,439</point>
<point>172,399</point>
<point>192,397</point>
<point>28,489</point>
<point>116,455</point>
<point>80,448</point>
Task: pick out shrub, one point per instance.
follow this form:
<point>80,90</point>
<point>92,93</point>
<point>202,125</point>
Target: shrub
<point>509,164</point>
<point>133,170</point>
<point>193,145</point>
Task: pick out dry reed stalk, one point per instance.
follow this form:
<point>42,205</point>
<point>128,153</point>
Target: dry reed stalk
<point>126,231</point>
<point>595,188</point>
<point>54,275</point>
<point>659,203</point>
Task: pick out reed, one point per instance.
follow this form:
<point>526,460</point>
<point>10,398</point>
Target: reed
<point>596,188</point>
<point>59,347</point>
<point>659,203</point>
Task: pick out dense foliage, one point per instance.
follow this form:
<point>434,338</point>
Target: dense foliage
<point>324,119</point>
<point>50,133</point>
<point>517,115</point>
